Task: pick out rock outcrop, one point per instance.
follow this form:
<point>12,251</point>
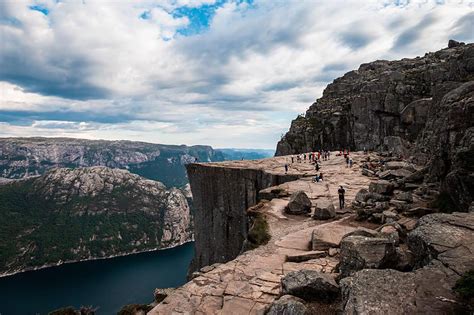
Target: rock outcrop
<point>310,285</point>
<point>78,214</point>
<point>222,194</point>
<point>421,107</point>
<point>426,291</point>
<point>448,238</point>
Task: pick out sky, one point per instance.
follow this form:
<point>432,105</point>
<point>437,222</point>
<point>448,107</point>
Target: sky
<point>223,73</point>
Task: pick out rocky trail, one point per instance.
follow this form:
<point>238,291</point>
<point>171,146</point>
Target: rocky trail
<point>301,267</point>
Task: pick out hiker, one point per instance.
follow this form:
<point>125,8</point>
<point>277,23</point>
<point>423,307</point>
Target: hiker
<point>304,155</point>
<point>350,162</point>
<point>321,176</point>
<point>292,159</point>
<point>319,155</point>
<point>316,178</point>
<point>286,168</point>
<point>347,161</point>
<point>317,167</point>
<point>341,191</point>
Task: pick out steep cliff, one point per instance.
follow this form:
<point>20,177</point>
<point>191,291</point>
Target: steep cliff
<point>21,157</point>
<point>421,108</point>
<point>85,213</point>
<point>222,193</point>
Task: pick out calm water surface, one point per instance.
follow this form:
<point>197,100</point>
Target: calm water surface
<point>108,284</point>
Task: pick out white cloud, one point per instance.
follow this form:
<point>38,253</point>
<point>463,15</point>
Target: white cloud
<point>238,83</point>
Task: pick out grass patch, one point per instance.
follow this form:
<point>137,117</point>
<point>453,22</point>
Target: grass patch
<point>259,231</point>
<point>444,203</point>
<point>465,285</point>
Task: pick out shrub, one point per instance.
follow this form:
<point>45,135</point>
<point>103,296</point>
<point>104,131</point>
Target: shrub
<point>133,309</point>
<point>64,311</point>
<point>259,232</point>
<point>465,285</point>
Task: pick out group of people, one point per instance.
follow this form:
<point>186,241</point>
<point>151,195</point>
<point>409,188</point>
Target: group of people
<point>315,157</point>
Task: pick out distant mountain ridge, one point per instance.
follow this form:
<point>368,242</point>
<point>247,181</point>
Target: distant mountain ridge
<point>246,154</point>
<point>23,157</point>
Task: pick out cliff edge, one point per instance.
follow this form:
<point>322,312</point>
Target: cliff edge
<point>420,108</point>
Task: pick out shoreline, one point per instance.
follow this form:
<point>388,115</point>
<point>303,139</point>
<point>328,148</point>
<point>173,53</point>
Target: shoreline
<point>8,274</point>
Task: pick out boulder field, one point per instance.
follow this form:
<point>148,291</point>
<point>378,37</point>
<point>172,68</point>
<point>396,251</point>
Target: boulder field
<point>372,256</point>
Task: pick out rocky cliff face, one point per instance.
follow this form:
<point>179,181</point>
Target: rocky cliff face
<point>221,197</point>
<point>87,213</point>
<point>22,157</point>
<point>421,107</point>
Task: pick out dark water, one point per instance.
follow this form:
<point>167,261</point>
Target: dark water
<point>108,284</point>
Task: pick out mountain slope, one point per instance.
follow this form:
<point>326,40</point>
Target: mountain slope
<point>421,108</point>
<point>86,213</point>
<point>21,157</point>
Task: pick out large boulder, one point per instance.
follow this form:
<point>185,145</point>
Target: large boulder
<point>448,238</point>
<point>382,187</point>
<point>329,235</point>
<point>299,203</point>
<point>360,252</point>
<point>324,210</point>
<point>310,285</point>
<point>287,305</point>
<point>425,291</point>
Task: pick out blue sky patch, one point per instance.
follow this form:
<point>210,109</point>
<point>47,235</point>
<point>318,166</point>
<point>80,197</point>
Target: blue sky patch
<point>200,18</point>
<point>40,8</point>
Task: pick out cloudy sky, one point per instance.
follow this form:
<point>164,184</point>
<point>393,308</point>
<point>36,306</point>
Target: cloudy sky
<point>225,73</point>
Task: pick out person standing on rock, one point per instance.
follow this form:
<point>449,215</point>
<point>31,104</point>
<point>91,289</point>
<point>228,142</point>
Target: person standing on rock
<point>350,162</point>
<point>341,191</point>
<point>292,159</point>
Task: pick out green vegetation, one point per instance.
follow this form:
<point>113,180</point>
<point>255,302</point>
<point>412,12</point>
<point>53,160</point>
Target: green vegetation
<point>89,310</point>
<point>444,203</point>
<point>133,309</point>
<point>259,231</point>
<point>465,285</point>
<point>37,231</point>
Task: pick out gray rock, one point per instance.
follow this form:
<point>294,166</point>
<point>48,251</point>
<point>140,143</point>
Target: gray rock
<point>310,285</point>
<point>359,252</point>
<point>382,187</point>
<point>287,305</point>
<point>362,231</point>
<point>299,203</point>
<point>324,210</point>
<point>390,216</point>
<point>418,211</point>
<point>306,256</point>
<point>425,291</point>
<point>448,238</point>
<point>404,196</point>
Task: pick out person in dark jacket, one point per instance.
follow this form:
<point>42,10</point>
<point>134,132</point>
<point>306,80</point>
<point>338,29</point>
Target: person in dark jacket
<point>341,191</point>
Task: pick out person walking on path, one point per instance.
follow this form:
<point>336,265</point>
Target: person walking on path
<point>350,162</point>
<point>341,191</point>
<point>286,168</point>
